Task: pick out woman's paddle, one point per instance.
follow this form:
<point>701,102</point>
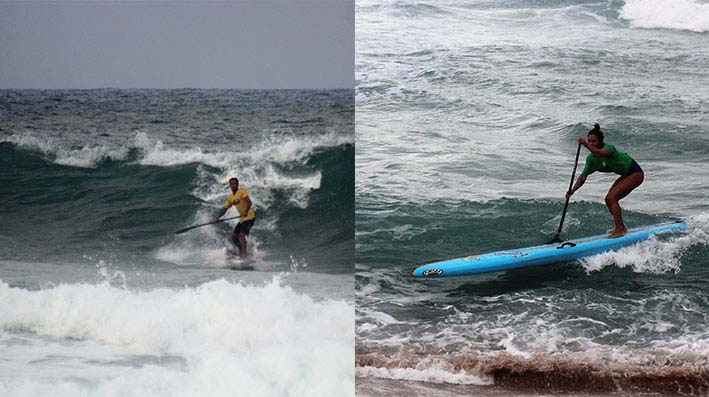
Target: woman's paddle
<point>204,224</point>
<point>556,238</point>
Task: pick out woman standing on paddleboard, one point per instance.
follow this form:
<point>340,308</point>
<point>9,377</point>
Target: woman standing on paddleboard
<point>604,157</point>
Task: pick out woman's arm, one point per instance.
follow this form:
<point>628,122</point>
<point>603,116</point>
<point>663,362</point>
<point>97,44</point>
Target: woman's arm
<point>598,152</point>
<point>579,182</point>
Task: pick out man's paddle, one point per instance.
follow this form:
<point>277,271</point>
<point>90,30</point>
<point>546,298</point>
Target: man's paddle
<point>204,224</point>
<point>556,238</point>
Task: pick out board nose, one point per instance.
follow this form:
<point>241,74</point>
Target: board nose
<point>425,271</point>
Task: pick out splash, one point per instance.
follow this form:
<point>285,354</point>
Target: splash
<point>689,15</point>
<point>656,255</point>
<point>289,148</point>
<point>255,169</point>
<point>84,157</point>
<point>280,149</point>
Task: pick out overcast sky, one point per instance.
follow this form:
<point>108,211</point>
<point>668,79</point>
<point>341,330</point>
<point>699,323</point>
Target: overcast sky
<point>244,44</point>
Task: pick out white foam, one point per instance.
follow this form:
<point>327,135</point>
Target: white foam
<point>298,187</point>
<point>86,157</point>
<point>267,340</point>
<point>287,148</point>
<point>651,256</point>
<point>656,255</point>
<point>278,149</point>
<point>198,252</point>
<point>432,375</point>
<point>689,15</point>
<point>31,142</point>
<point>273,149</point>
<point>380,318</point>
<point>255,169</point>
<point>510,346</point>
<point>155,152</point>
<point>699,222</point>
<point>89,157</point>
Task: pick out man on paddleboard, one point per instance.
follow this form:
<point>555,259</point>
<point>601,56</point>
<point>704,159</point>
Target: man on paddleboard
<point>604,157</point>
<point>239,198</point>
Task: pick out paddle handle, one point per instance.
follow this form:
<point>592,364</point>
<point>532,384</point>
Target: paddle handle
<point>205,224</point>
<point>566,205</point>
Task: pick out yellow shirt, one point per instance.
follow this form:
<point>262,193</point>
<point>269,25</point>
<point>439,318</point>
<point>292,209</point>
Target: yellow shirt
<point>237,200</point>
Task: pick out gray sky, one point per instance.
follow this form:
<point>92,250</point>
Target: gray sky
<point>243,44</point>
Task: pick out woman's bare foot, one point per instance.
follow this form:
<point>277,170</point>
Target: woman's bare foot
<point>618,232</point>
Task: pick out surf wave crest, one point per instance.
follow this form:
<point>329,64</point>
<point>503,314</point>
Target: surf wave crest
<point>689,15</point>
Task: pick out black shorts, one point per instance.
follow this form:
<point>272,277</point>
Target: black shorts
<point>244,227</point>
<point>634,167</point>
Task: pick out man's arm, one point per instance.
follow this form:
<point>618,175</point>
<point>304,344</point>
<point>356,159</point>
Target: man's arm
<point>221,213</point>
<point>247,200</point>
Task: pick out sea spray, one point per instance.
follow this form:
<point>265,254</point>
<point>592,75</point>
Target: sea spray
<point>691,15</point>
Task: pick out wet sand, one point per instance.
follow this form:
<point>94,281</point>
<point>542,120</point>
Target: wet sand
<point>517,376</point>
<point>376,387</point>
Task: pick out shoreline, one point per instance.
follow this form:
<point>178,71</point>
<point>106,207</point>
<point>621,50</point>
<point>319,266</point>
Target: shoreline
<point>380,387</point>
<point>511,375</point>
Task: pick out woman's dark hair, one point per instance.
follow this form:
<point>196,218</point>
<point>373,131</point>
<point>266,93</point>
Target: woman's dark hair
<point>596,130</point>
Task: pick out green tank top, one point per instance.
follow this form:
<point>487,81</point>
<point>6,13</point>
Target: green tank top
<point>618,162</point>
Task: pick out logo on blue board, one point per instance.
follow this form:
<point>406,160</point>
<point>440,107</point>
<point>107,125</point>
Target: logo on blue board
<point>471,258</point>
<point>432,272</point>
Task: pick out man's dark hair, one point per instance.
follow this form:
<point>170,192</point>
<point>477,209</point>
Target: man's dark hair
<point>234,179</point>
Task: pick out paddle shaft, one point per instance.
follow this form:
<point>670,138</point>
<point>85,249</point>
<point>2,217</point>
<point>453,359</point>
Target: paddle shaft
<point>204,224</point>
<point>566,205</point>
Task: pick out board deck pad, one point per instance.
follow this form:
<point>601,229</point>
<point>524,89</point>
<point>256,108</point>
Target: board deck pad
<point>540,255</point>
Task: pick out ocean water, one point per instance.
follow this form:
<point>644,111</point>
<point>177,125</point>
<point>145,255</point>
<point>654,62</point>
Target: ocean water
<point>467,118</point>
<point>99,297</point>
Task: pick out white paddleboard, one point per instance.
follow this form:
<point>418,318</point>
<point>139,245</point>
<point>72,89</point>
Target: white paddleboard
<point>240,264</point>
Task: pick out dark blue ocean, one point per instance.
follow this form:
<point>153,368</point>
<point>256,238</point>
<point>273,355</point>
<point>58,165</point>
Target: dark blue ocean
<point>467,118</point>
<point>100,297</point>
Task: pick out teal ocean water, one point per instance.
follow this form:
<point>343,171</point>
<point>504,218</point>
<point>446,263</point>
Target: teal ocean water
<point>467,118</point>
<point>100,297</point>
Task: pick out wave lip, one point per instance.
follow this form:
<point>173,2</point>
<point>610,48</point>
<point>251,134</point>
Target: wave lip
<point>86,157</point>
<point>689,15</point>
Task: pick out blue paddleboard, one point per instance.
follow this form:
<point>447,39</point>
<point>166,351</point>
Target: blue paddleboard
<point>540,255</point>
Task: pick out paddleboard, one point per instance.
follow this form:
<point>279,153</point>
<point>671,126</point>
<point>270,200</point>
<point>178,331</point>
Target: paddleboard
<point>240,264</point>
<point>540,255</point>
<point>235,263</point>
